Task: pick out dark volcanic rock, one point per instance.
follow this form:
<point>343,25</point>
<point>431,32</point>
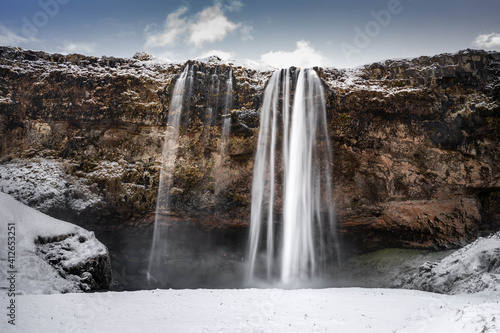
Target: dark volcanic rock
<point>415,143</point>
<point>69,256</point>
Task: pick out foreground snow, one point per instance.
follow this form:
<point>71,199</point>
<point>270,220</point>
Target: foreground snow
<point>257,310</point>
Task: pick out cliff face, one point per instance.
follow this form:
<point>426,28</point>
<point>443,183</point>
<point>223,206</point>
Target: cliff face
<point>415,143</point>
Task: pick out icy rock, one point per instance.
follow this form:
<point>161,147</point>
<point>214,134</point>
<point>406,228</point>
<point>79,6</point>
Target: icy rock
<point>52,256</point>
<point>73,258</point>
<point>471,269</point>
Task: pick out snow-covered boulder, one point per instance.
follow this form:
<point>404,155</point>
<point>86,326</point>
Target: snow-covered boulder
<point>51,256</point>
<point>473,268</point>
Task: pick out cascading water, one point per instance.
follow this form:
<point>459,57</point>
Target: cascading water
<point>213,99</point>
<point>159,246</point>
<point>263,179</point>
<point>220,169</point>
<point>226,116</point>
<point>308,237</point>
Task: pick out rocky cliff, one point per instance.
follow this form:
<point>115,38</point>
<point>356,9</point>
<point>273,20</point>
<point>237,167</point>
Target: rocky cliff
<point>416,144</point>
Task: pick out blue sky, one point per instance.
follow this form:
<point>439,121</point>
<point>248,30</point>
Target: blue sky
<point>344,33</point>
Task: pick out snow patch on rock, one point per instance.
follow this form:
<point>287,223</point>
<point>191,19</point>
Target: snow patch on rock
<point>354,79</point>
<point>43,184</point>
<point>471,269</point>
<point>52,256</point>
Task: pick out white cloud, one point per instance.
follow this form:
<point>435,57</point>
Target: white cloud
<point>487,40</point>
<point>303,56</point>
<point>219,53</point>
<point>10,38</point>
<point>207,26</point>
<point>175,25</point>
<point>234,5</point>
<point>211,25</point>
<point>246,32</point>
<point>82,48</point>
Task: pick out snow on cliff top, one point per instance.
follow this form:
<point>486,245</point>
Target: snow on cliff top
<point>34,275</point>
<point>215,60</point>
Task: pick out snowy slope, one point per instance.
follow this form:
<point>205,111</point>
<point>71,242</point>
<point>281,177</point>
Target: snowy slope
<point>257,310</point>
<point>473,268</point>
<point>69,248</point>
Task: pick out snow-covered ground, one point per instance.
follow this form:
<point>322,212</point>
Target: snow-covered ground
<point>257,310</point>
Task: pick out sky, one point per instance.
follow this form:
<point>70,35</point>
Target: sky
<point>326,33</point>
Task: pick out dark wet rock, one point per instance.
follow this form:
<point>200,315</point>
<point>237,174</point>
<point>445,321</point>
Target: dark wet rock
<point>76,258</point>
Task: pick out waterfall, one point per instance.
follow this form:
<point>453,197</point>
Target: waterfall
<point>169,151</point>
<point>221,170</point>
<point>212,98</point>
<point>226,116</point>
<point>263,180</point>
<point>307,238</point>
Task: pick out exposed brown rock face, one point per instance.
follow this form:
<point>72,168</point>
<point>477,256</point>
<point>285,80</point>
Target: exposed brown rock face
<point>418,224</point>
<point>416,143</point>
<point>424,129</point>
